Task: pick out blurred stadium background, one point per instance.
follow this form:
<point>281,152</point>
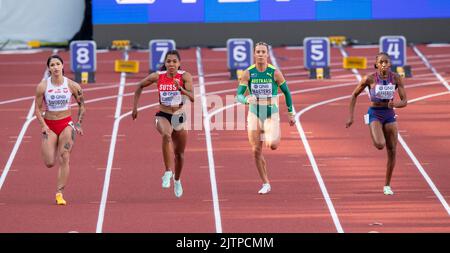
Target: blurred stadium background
<point>211,22</point>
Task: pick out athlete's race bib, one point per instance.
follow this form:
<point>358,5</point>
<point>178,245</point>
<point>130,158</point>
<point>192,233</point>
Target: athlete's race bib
<point>170,98</point>
<point>385,91</point>
<point>262,90</point>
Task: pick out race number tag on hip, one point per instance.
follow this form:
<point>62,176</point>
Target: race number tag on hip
<point>366,119</point>
<point>170,98</point>
<point>384,91</point>
<point>262,90</point>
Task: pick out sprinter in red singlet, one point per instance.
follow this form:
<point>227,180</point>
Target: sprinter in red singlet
<point>57,128</point>
<point>174,85</point>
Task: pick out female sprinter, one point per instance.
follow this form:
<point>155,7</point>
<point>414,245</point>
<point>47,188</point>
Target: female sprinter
<point>263,121</point>
<point>381,116</point>
<point>174,85</point>
<point>57,128</point>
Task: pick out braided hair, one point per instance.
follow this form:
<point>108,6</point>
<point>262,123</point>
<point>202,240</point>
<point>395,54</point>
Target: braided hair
<point>378,55</point>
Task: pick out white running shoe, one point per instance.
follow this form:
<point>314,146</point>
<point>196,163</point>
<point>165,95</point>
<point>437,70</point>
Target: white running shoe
<point>178,189</point>
<point>166,179</point>
<point>265,189</point>
<point>387,190</point>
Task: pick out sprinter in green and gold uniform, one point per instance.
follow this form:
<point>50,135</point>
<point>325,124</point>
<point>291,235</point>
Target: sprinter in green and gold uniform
<point>262,81</point>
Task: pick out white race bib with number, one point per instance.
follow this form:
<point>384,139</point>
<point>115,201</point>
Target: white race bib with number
<point>385,91</point>
<point>170,98</point>
<point>262,90</point>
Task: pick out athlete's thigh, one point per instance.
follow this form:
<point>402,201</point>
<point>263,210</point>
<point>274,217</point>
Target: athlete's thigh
<point>179,139</point>
<point>49,146</point>
<point>179,121</point>
<point>66,140</point>
<point>163,126</point>
<point>253,122</point>
<point>254,129</point>
<point>376,131</point>
<point>272,130</point>
<point>391,133</point>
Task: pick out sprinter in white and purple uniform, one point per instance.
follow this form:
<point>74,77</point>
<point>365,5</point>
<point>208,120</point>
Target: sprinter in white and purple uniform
<point>382,92</point>
<point>381,116</point>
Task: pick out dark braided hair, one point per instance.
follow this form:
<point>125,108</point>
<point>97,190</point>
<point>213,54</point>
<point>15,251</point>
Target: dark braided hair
<point>378,55</point>
<point>170,52</point>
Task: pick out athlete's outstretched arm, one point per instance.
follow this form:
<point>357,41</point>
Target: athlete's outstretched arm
<point>279,78</point>
<point>187,90</point>
<point>365,81</point>
<point>401,92</point>
<point>38,102</point>
<point>78,95</point>
<point>242,88</point>
<point>150,79</point>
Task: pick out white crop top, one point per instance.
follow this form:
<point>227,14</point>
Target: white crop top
<point>57,98</point>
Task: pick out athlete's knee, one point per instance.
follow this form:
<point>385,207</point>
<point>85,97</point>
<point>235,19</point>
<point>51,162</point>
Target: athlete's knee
<point>49,164</point>
<point>257,152</point>
<point>379,144</point>
<point>166,137</point>
<point>64,157</point>
<point>179,155</point>
<point>273,144</point>
<point>391,150</point>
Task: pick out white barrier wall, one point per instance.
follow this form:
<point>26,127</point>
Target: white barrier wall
<point>43,20</point>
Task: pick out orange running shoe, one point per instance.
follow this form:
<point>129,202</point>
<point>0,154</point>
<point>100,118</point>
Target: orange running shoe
<point>59,199</point>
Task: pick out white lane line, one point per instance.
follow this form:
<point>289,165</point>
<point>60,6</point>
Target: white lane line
<point>207,126</point>
<point>16,100</point>
<point>438,45</point>
<point>406,147</point>
<point>106,184</point>
<point>312,160</point>
<point>424,174</point>
<point>108,87</point>
<point>32,118</point>
<point>29,119</point>
<point>302,134</point>
<point>112,146</point>
<point>402,141</point>
<point>17,145</point>
<point>323,188</point>
<point>416,162</point>
<point>427,63</point>
<point>316,171</point>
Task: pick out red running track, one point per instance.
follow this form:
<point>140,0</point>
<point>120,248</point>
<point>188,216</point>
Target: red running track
<point>351,168</point>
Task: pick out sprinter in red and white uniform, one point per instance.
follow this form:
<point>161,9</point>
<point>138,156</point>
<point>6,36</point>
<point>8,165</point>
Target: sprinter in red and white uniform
<point>52,109</point>
<point>174,85</point>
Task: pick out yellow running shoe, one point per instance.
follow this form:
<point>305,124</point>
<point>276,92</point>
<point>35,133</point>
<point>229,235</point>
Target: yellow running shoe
<point>59,199</point>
